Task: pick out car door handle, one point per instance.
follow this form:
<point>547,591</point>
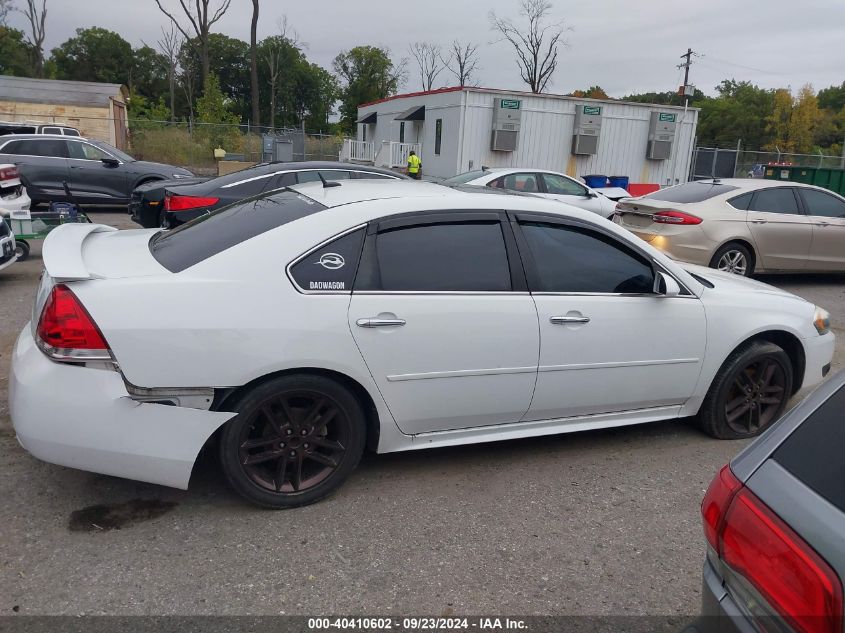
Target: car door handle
<point>758,221</point>
<point>822,223</point>
<point>379,322</point>
<point>563,320</point>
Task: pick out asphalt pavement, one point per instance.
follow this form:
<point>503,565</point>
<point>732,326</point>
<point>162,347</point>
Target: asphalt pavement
<point>596,523</point>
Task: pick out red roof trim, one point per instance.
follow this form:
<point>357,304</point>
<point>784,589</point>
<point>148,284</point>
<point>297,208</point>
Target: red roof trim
<point>413,94</point>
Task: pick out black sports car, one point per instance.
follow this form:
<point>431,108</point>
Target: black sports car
<point>173,202</point>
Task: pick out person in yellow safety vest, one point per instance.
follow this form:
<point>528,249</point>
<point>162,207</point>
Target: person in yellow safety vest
<point>414,165</point>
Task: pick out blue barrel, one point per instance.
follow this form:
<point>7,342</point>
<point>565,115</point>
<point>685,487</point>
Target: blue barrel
<point>595,181</point>
<point>618,181</point>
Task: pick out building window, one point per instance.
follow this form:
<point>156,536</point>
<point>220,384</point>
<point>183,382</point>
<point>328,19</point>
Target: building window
<point>402,132</point>
<point>438,134</point>
<point>364,132</point>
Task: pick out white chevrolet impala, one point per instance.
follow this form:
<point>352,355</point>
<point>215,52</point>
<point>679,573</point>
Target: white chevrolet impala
<point>290,332</point>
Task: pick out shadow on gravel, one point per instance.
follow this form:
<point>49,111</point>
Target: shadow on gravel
<point>105,517</point>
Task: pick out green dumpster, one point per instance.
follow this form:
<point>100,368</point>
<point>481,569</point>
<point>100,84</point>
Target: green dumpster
<point>830,178</point>
<point>792,173</point>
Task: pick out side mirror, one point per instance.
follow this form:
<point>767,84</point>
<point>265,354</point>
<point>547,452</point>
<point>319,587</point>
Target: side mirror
<point>666,286</point>
<point>592,194</point>
<point>110,162</point>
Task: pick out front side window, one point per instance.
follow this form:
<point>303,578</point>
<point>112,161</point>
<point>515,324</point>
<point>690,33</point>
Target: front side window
<point>822,204</point>
<point>84,151</point>
<point>526,182</point>
<point>559,185</point>
<point>331,267</point>
<point>573,259</point>
<point>450,257</point>
<point>775,200</point>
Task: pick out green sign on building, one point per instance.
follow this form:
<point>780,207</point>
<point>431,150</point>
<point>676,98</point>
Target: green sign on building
<point>668,118</point>
<point>510,104</point>
<point>592,110</point>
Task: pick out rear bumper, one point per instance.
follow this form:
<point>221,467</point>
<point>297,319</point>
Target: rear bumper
<point>84,418</point>
<point>17,203</point>
<point>683,243</point>
<point>719,612</point>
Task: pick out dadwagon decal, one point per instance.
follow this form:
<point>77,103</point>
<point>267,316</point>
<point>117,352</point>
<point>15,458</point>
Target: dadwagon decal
<point>330,267</point>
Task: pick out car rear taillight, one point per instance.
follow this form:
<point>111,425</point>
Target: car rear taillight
<point>9,173</point>
<point>675,217</point>
<point>755,544</point>
<point>66,332</point>
<point>175,202</point>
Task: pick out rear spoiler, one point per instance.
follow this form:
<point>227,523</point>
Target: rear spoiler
<point>62,251</point>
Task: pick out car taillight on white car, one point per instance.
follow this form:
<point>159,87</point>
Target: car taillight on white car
<point>66,332</point>
<point>9,173</point>
<point>175,202</point>
<point>768,568</point>
<point>675,217</point>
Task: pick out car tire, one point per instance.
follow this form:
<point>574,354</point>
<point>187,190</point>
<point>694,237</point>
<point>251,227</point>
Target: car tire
<point>294,441</point>
<point>749,393</point>
<point>734,258</point>
<point>21,249</point>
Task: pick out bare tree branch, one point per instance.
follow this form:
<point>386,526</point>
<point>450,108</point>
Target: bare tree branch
<point>36,19</point>
<point>462,62</point>
<point>169,46</point>
<point>536,47</point>
<point>429,62</point>
<point>200,23</point>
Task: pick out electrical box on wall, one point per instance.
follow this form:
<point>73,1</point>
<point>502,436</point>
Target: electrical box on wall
<point>507,118</point>
<point>661,135</point>
<point>587,130</point>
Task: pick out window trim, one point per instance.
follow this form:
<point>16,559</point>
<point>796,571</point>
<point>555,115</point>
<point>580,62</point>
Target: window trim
<point>301,290</point>
<point>519,283</point>
<point>531,270</point>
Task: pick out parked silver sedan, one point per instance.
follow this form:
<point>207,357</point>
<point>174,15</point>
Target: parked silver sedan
<point>743,226</point>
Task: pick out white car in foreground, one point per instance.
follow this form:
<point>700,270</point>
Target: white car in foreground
<point>300,328</point>
<point>539,182</point>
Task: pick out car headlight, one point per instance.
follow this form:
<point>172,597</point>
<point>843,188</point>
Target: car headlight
<point>821,320</point>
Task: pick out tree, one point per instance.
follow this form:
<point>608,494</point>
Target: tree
<point>536,47</point>
<point>253,65</point>
<point>462,62</point>
<point>778,120</point>
<point>149,72</point>
<point>6,7</point>
<point>738,113</point>
<point>832,98</point>
<point>94,54</point>
<point>217,124</point>
<point>229,61</point>
<point>200,20</point>
<point>429,62</point>
<point>169,46</point>
<point>36,19</point>
<point>15,53</point>
<point>593,92</point>
<point>368,74</point>
<point>802,123</point>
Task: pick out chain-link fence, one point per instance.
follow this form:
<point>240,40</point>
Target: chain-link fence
<point>192,144</point>
<point>710,162</point>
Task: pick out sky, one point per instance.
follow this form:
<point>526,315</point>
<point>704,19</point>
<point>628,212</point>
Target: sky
<point>624,46</point>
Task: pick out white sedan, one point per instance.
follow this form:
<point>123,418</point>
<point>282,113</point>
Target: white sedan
<point>297,329</point>
<point>539,182</point>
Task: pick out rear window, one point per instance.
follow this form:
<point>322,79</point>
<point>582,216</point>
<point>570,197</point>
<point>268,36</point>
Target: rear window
<point>697,191</point>
<point>813,452</point>
<point>224,228</point>
<point>462,179</point>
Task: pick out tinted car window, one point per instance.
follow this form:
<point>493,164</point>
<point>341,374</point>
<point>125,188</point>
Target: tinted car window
<point>85,151</point>
<point>51,130</point>
<point>467,257</point>
<point>249,186</point>
<point>219,230</point>
<point>741,202</point>
<point>572,259</point>
<point>280,181</point>
<point>697,191</point>
<point>70,132</point>
<point>559,185</point>
<point>775,200</point>
<point>332,266</point>
<point>464,178</point>
<point>813,452</point>
<point>37,147</point>
<point>822,204</point>
<point>526,182</point>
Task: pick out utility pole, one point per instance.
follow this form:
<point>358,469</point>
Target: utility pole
<point>688,56</point>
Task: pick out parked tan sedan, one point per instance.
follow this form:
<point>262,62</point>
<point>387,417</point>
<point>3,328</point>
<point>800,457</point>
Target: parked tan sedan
<point>742,225</point>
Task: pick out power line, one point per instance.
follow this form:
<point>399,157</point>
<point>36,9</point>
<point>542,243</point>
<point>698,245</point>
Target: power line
<point>727,63</point>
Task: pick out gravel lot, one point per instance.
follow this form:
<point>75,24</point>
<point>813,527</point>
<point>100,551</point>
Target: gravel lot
<point>592,523</point>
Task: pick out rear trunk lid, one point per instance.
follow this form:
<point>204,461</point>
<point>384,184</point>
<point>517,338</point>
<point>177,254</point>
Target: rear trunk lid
<point>638,215</point>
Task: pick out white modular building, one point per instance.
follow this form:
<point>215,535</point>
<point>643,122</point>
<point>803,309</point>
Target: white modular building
<point>460,129</point>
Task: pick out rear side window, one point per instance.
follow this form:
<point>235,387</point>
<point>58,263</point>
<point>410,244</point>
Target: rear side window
<point>70,132</point>
<point>331,267</point>
<point>696,191</point>
<point>741,202</point>
<point>572,259</point>
<point>775,200</point>
<point>37,147</point>
<point>813,452</point>
<point>224,228</point>
<point>452,257</point>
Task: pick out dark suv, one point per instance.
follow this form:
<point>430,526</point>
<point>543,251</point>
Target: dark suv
<point>96,172</point>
